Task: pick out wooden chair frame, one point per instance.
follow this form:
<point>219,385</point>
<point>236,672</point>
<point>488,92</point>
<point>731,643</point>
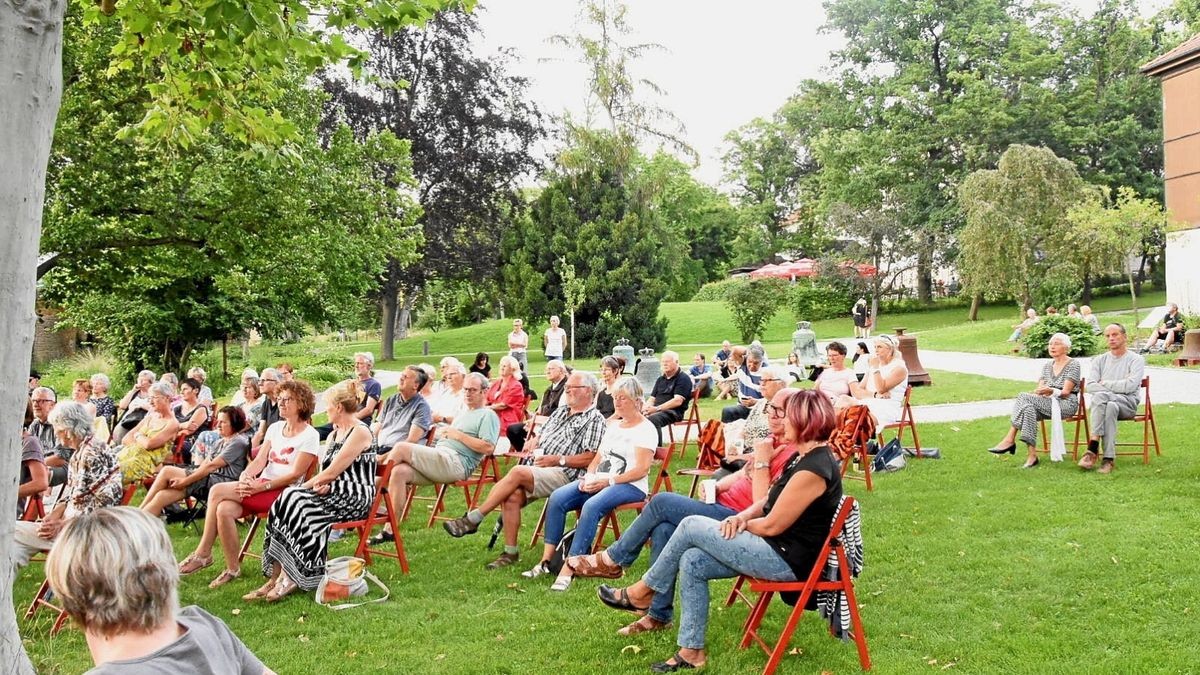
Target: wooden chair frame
<point>1149,427</point>
<point>1080,418</point>
<point>864,460</point>
<point>906,421</point>
<point>364,526</point>
<point>692,420</point>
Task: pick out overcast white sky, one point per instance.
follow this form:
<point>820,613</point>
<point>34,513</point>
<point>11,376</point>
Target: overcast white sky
<point>725,63</point>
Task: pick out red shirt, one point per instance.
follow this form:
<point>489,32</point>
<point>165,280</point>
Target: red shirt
<point>740,495</point>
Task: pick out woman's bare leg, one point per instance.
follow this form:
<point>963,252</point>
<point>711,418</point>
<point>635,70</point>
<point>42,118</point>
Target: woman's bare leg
<point>226,523</point>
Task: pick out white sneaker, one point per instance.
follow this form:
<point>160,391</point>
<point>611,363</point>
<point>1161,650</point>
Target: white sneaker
<point>562,583</point>
<point>536,571</point>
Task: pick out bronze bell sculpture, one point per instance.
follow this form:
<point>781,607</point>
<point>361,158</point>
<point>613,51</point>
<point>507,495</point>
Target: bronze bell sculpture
<point>624,351</point>
<point>917,375</point>
<point>648,370</point>
<point>804,343</point>
<point>1190,354</point>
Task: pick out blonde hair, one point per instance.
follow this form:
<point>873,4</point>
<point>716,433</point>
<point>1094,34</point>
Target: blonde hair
<point>114,571</point>
<point>343,394</point>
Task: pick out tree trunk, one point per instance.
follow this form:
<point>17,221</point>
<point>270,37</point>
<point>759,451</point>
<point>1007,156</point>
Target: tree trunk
<point>976,301</point>
<point>925,271</point>
<point>387,329</point>
<point>1085,298</point>
<point>30,93</point>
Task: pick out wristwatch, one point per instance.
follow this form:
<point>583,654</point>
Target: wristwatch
<point>761,465</point>
<point>562,460</point>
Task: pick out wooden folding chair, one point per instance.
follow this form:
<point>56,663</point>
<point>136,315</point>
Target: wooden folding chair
<point>711,442</point>
<point>692,420</point>
<point>662,459</point>
<point>766,589</point>
<point>1146,418</point>
<point>488,472</point>
<point>34,509</point>
<point>412,489</point>
<point>364,526</point>
<point>864,460</point>
<point>40,600</point>
<point>1080,419</point>
<point>905,421</point>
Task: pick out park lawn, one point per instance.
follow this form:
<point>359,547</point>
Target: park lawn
<point>971,563</point>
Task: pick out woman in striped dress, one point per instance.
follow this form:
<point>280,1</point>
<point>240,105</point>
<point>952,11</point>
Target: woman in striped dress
<point>300,520</point>
<point>1059,382</point>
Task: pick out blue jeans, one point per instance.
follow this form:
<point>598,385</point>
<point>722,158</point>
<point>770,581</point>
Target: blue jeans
<point>594,507</point>
<point>657,523</point>
<point>696,553</point>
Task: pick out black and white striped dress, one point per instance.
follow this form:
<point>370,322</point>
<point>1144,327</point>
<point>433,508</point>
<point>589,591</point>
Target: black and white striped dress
<point>300,519</point>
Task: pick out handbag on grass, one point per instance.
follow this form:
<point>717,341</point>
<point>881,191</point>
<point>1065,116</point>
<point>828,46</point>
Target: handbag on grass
<point>344,578</point>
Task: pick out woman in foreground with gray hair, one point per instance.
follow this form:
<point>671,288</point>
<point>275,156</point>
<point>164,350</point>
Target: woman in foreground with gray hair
<point>114,572</point>
<point>1056,396</point>
<point>149,443</point>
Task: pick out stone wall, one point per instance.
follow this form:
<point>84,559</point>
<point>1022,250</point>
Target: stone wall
<point>49,342</point>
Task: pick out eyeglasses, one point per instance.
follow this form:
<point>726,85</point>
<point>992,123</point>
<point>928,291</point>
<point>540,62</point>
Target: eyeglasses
<point>474,389</point>
<point>283,399</point>
<point>269,379</point>
<point>769,379</point>
<point>43,400</point>
<point>578,386</point>
<point>775,411</point>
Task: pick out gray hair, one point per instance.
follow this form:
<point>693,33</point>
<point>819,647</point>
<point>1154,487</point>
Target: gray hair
<point>271,372</point>
<point>672,354</point>
<point>44,390</point>
<point>87,562</point>
<point>71,418</point>
<point>589,380</point>
<point>368,356</point>
<point>778,372</point>
<point>480,378</point>
<point>556,363</point>
<point>757,353</point>
<point>102,379</point>
<point>628,386</point>
<point>249,372</point>
<point>163,389</point>
<point>1061,337</point>
<point>511,361</point>
<point>197,373</point>
<point>448,361</point>
<point>148,374</point>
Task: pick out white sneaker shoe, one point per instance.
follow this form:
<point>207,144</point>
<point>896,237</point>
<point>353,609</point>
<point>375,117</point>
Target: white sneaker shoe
<point>536,571</point>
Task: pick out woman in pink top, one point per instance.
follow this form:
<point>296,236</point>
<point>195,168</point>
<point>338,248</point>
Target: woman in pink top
<point>835,379</point>
<point>666,510</point>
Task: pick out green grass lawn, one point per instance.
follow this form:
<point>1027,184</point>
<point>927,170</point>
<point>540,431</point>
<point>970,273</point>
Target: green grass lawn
<point>972,565</point>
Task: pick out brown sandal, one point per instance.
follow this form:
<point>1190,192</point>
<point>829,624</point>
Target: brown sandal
<point>194,563</point>
<point>646,624</point>
<point>260,592</point>
<point>594,566</point>
<point>224,577</point>
<point>283,588</point>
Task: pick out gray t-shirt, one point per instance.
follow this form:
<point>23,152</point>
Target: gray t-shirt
<point>398,416</point>
<point>207,646</point>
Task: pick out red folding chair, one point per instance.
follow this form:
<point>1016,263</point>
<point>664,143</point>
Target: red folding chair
<point>34,509</point>
<point>364,526</point>
<point>711,441</point>
<point>864,460</point>
<point>766,589</point>
<point>905,422</point>
<point>692,420</point>
<point>488,472</point>
<point>39,601</point>
<point>1146,418</point>
<point>1081,424</point>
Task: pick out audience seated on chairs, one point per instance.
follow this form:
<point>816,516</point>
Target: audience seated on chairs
<point>556,374</point>
<point>1168,331</point>
<point>794,368</point>
<point>778,538</point>
<point>506,396</point>
<point>93,482</point>
<point>138,626</point>
<point>702,375</point>
<point>405,415</point>
<point>482,365</point>
<point>1085,313</point>
<point>560,450</point>
<point>1019,329</point>
<point>268,382</point>
<point>300,521</point>
<point>749,390</point>
<point>81,393</point>
<point>616,475</point>
<point>611,368</point>
<point>459,450</point>
<point>1114,391</point>
<point>450,402</point>
<point>43,400</point>
<point>239,398</point>
<point>882,390</point>
<point>289,450</point>
<point>193,417</point>
<point>664,512</point>
<point>34,477</point>
<point>668,400</point>
<point>206,396</point>
<point>835,379</point>
<point>1058,387</point>
<point>149,443</point>
<point>225,463</point>
<point>134,405</point>
<point>253,402</point>
<point>727,385</point>
<point>861,361</point>
<point>370,391</point>
<point>757,426</point>
<point>105,406</point>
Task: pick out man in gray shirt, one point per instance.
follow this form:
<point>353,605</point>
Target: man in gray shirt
<point>1114,388</point>
<point>405,416</point>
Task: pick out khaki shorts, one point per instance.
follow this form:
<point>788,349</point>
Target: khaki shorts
<point>436,465</point>
<point>546,479</point>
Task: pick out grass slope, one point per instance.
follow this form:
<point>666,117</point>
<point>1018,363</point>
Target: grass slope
<point>971,564</point>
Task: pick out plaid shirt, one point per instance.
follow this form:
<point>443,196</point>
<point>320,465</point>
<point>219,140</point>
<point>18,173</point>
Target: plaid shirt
<point>567,433</point>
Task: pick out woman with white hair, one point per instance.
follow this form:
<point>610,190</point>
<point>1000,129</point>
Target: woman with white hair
<point>506,396</point>
<point>114,572</point>
<point>206,396</point>
<point>1058,387</point>
<point>134,405</point>
<point>149,443</point>
<point>93,481</point>
<point>105,406</point>
<point>882,390</point>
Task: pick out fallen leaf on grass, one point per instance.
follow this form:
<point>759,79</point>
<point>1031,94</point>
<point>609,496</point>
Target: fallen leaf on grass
<point>631,648</point>
<point>795,651</point>
<point>906,635</point>
<point>950,665</point>
<point>236,611</point>
<point>439,657</point>
<point>1114,559</point>
<point>500,636</point>
<point>303,638</point>
<point>300,619</point>
<point>955,429</point>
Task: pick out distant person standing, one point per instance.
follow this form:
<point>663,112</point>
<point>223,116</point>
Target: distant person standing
<point>518,344</point>
<point>860,313</point>
<point>554,340</point>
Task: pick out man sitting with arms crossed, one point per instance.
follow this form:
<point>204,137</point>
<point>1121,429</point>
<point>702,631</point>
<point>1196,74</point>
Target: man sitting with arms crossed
<point>562,448</point>
<point>556,373</point>
<point>460,447</point>
<point>1114,388</point>
<point>668,400</point>
<point>405,416</point>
